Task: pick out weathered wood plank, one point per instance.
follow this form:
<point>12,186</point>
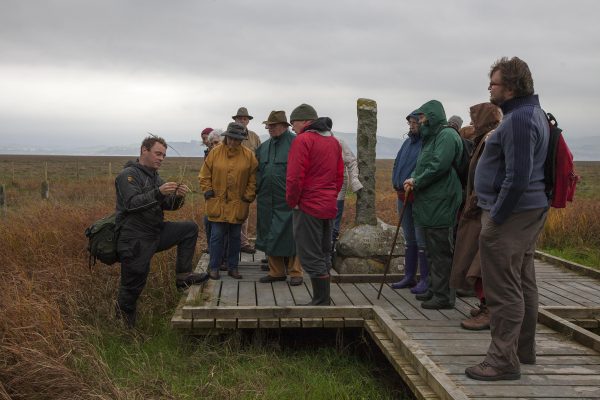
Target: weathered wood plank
<point>268,323</point>
<point>338,297</point>
<point>407,309</point>
<point>371,293</point>
<point>225,323</point>
<point>452,368</point>
<point>290,322</point>
<point>246,293</point>
<point>264,295</point>
<point>555,287</point>
<point>583,336</point>
<point>283,312</point>
<point>333,322</point>
<point>301,294</point>
<point>283,296</point>
<point>541,360</point>
<point>247,323</point>
<point>203,323</point>
<point>536,380</point>
<point>353,294</point>
<point>416,304</point>
<point>531,391</point>
<point>312,322</point>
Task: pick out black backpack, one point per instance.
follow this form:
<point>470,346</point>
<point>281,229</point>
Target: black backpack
<point>102,241</point>
<point>462,166</point>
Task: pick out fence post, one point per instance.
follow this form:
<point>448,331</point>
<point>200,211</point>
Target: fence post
<point>45,188</point>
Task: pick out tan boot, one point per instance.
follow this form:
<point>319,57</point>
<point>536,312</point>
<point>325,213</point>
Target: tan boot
<point>479,322</point>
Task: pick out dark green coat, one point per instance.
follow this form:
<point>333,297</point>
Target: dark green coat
<point>438,192</point>
<point>274,234</point>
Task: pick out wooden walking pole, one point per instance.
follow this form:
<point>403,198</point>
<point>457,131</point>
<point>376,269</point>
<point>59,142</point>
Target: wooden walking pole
<point>389,260</point>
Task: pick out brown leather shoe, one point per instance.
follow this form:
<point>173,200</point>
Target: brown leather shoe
<point>296,281</point>
<point>478,323</point>
<point>248,249</point>
<point>214,275</point>
<point>486,372</point>
<point>234,274</point>
<point>269,279</point>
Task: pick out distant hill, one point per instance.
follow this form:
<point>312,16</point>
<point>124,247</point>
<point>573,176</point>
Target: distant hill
<point>583,148</point>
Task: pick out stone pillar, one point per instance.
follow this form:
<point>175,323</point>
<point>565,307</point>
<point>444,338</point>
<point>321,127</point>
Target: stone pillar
<point>366,141</point>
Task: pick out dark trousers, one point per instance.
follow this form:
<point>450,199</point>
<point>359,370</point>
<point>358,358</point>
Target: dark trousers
<point>225,243</point>
<point>440,248</point>
<point>136,254</point>
<point>207,228</point>
<point>335,231</point>
<point>313,243</point>
<point>511,294</point>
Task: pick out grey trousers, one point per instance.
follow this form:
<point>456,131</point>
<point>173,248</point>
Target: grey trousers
<point>439,243</point>
<point>511,294</point>
<point>313,243</point>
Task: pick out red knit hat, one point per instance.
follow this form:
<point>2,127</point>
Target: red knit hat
<point>206,131</point>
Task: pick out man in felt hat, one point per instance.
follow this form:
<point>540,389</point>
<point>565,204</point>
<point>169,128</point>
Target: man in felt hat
<point>314,178</point>
<point>252,142</point>
<point>274,233</point>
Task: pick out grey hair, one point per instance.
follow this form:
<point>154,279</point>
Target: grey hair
<point>215,134</point>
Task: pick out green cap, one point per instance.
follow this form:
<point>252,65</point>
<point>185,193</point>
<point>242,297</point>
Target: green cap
<point>303,112</point>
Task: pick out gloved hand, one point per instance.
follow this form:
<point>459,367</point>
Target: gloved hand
<point>209,194</point>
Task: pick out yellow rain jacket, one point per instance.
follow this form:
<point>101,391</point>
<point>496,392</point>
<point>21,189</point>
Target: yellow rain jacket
<point>230,173</point>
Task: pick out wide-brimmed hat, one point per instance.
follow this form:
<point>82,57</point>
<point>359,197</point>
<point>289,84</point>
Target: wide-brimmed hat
<point>242,112</point>
<point>236,131</point>
<point>276,117</point>
<point>303,112</point>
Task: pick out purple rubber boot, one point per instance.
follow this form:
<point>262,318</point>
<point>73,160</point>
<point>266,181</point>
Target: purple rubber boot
<point>423,284</point>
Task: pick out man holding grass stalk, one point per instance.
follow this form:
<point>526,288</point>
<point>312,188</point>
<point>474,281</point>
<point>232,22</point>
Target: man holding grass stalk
<point>141,198</point>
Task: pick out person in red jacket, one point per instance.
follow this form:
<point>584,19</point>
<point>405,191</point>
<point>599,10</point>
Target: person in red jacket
<point>315,175</point>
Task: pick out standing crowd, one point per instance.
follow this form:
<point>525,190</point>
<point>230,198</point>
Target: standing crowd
<point>474,203</point>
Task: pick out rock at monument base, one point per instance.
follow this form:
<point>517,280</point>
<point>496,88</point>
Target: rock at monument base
<point>364,249</point>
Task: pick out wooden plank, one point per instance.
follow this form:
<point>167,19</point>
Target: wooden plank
<point>555,287</point>
<point>283,312</point>
<point>531,391</point>
<point>474,347</point>
<point>583,336</point>
<point>203,323</point>
<point>584,292</point>
<point>371,294</point>
<point>333,322</point>
<point>338,297</point>
<point>458,368</point>
<point>560,300</point>
<point>290,322</point>
<point>301,293</point>
<point>416,304</point>
<point>225,323</point>
<point>426,368</point>
<point>400,302</point>
<point>354,295</point>
<point>353,322</point>
<point>365,278</point>
<point>283,296</point>
<point>312,322</point>
<point>246,293</point>
<point>264,294</point>
<point>541,360</point>
<point>268,323</point>
<point>574,311</point>
<point>247,323</point>
<point>229,293</point>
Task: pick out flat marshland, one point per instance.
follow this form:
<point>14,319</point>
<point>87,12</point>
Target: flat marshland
<point>59,338</point>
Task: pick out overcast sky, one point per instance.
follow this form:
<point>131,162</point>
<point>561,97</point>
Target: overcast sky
<point>106,72</point>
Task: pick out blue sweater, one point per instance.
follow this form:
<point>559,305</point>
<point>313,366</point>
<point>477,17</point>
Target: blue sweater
<point>406,160</point>
<point>510,173</point>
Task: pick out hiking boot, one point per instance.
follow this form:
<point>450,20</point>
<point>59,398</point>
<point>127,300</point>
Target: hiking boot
<point>269,279</point>
<point>264,267</point>
<point>479,322</point>
<point>214,275</point>
<point>223,267</point>
<point>186,280</point>
<point>476,311</point>
<point>128,318</point>
<point>234,274</point>
<point>433,304</point>
<point>247,249</point>
<point>425,296</point>
<point>486,372</point>
<point>296,281</point>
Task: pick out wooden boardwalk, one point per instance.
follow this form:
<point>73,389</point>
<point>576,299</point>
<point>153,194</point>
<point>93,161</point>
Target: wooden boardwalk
<point>427,348</point>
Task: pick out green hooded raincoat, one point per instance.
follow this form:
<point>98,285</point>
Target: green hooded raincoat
<point>438,191</point>
<point>274,234</point>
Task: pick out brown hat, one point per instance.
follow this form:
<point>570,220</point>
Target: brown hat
<point>242,112</point>
<point>276,117</point>
<point>303,112</point>
<point>236,131</point>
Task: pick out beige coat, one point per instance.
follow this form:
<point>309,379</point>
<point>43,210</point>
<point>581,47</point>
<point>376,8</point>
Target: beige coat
<point>231,174</point>
<point>252,142</point>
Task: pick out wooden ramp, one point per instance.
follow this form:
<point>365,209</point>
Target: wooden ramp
<point>427,348</point>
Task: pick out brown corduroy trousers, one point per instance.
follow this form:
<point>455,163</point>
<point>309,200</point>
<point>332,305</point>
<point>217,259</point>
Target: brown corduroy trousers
<point>508,273</point>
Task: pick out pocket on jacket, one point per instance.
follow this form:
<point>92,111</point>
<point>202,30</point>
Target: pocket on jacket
<point>213,208</point>
<point>241,210</point>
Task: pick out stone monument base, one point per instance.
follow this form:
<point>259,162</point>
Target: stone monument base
<point>364,249</point>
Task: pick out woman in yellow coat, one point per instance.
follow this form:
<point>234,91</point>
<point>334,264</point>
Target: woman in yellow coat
<point>228,180</point>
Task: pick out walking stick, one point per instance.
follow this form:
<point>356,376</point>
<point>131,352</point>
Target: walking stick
<point>389,260</point>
